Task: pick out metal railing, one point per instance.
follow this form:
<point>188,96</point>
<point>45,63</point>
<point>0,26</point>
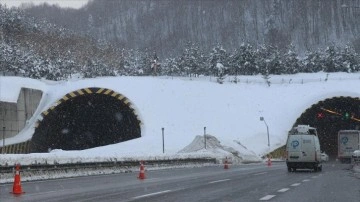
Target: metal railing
<point>109,164</point>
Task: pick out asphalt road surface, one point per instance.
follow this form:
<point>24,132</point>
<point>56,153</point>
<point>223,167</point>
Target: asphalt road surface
<point>253,182</point>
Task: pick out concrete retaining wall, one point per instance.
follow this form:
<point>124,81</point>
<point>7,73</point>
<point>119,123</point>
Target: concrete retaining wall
<point>13,116</point>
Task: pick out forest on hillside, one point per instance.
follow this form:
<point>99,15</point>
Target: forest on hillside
<point>37,48</point>
<point>166,26</point>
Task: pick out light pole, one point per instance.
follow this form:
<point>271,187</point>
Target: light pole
<point>205,136</point>
<point>267,129</point>
<point>3,147</point>
<point>163,140</point>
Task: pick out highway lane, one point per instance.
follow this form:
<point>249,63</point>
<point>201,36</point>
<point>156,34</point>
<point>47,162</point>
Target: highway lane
<point>337,183</point>
<point>213,183</point>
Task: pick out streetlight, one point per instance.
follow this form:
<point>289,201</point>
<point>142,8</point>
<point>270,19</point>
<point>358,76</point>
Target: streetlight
<point>3,147</point>
<point>163,140</point>
<point>205,136</point>
<point>267,129</point>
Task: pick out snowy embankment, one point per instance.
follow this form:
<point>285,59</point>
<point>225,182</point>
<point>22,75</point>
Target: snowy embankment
<point>52,172</point>
<point>184,106</point>
<point>215,149</point>
<point>234,151</point>
<point>356,169</point>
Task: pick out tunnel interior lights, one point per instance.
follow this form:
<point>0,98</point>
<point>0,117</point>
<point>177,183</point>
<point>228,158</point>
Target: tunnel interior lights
<point>346,115</point>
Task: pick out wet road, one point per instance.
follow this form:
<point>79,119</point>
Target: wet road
<point>253,182</point>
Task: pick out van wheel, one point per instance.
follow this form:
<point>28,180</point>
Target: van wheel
<point>320,168</point>
<point>315,168</point>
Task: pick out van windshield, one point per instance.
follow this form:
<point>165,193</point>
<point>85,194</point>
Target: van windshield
<point>303,131</point>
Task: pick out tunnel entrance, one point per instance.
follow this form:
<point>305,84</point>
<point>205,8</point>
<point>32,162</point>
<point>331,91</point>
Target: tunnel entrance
<point>85,119</point>
<point>330,116</point>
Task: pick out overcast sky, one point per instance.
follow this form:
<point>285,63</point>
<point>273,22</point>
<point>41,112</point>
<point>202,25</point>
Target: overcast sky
<point>61,3</point>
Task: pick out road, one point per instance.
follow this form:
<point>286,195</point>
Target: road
<point>253,182</point>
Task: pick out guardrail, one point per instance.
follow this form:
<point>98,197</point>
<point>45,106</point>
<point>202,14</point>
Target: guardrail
<point>108,164</point>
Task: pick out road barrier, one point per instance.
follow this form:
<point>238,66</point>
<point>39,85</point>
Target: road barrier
<point>108,164</point>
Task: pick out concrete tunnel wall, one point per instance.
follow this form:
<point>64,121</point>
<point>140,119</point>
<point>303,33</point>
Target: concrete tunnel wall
<point>13,117</point>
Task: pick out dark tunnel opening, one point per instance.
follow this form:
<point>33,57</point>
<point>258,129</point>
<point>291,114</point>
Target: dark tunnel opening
<point>330,116</point>
<point>86,121</point>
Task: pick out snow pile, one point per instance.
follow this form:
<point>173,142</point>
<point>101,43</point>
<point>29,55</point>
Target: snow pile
<point>233,150</point>
<point>356,168</point>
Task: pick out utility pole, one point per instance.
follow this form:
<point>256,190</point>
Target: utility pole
<point>3,147</point>
<point>205,136</point>
<point>163,142</point>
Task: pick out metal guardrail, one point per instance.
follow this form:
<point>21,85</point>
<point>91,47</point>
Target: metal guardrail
<point>108,164</point>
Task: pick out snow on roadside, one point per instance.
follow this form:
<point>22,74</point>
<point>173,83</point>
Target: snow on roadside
<point>234,151</point>
<point>356,168</point>
<point>27,176</point>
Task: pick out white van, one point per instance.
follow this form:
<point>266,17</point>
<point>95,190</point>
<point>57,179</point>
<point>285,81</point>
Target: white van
<point>303,149</point>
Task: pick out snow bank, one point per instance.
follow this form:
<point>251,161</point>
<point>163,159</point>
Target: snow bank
<point>232,150</point>
<point>356,168</point>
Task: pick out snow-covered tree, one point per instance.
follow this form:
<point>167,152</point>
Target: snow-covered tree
<point>217,55</point>
<point>349,60</point>
<point>220,72</point>
<point>312,62</point>
<point>145,62</point>
<point>171,67</point>
<point>192,60</point>
<point>331,59</point>
<point>291,63</point>
<point>269,60</point>
<point>242,61</point>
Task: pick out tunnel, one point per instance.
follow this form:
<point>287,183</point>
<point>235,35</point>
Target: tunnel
<point>329,116</point>
<point>86,118</point>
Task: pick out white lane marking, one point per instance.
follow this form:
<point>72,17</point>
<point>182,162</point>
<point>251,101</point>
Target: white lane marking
<point>43,193</point>
<point>152,194</point>
<point>283,190</point>
<point>306,180</point>
<point>314,176</point>
<point>260,173</point>
<point>218,181</point>
<point>295,184</point>
<point>267,197</point>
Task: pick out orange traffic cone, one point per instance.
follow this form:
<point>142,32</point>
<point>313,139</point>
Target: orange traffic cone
<point>142,171</point>
<point>226,166</point>
<point>17,189</point>
<point>269,162</point>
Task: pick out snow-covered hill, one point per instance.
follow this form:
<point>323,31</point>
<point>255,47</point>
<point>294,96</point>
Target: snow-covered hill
<point>230,112</point>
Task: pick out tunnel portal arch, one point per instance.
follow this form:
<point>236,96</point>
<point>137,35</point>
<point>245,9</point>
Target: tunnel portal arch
<point>329,116</point>
<point>86,118</point>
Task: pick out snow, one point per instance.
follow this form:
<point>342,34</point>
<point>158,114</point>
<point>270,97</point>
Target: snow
<point>183,107</point>
<point>65,4</point>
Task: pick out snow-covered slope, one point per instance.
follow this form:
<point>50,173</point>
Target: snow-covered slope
<point>233,150</point>
<point>184,107</point>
